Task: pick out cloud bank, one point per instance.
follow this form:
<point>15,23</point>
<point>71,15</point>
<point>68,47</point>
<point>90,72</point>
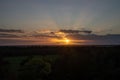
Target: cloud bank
<point>44,37</point>
<point>11,30</point>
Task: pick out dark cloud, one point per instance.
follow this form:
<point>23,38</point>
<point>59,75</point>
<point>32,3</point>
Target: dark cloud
<point>46,36</point>
<point>8,41</point>
<point>8,37</point>
<point>11,30</point>
<point>76,31</point>
<point>3,35</point>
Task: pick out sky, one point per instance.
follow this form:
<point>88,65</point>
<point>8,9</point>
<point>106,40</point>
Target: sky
<point>45,18</point>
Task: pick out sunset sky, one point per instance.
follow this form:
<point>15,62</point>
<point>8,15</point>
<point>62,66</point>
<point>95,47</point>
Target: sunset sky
<point>40,21</point>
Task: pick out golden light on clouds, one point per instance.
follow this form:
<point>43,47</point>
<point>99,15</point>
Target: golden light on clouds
<point>60,34</point>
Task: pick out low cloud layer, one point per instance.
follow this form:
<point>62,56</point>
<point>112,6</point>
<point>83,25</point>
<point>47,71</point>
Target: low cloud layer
<point>19,37</point>
<point>11,30</point>
<point>3,35</point>
<point>76,31</point>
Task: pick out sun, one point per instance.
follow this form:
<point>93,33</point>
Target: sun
<point>67,40</point>
<point>62,41</point>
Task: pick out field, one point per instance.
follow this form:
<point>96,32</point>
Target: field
<point>60,62</point>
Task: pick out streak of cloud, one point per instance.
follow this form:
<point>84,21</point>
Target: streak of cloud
<point>76,31</point>
<point>11,30</point>
<point>3,35</point>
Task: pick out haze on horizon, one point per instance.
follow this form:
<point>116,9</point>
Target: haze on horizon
<point>40,21</point>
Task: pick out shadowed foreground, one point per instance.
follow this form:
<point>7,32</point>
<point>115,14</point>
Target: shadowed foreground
<point>60,63</point>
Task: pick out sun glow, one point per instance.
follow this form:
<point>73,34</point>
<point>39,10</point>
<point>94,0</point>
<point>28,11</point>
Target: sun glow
<point>62,41</point>
<point>66,40</point>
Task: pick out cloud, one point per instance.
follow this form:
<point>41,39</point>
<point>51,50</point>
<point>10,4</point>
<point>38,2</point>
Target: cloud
<point>62,33</point>
<point>11,33</point>
<point>3,35</point>
<point>15,41</point>
<point>11,30</point>
<point>75,31</point>
<point>25,41</point>
<point>45,36</point>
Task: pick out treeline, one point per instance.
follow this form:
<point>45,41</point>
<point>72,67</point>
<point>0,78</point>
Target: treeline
<point>44,50</point>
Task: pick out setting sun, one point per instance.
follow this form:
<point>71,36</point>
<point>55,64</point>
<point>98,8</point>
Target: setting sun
<point>61,41</point>
<point>66,40</point>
